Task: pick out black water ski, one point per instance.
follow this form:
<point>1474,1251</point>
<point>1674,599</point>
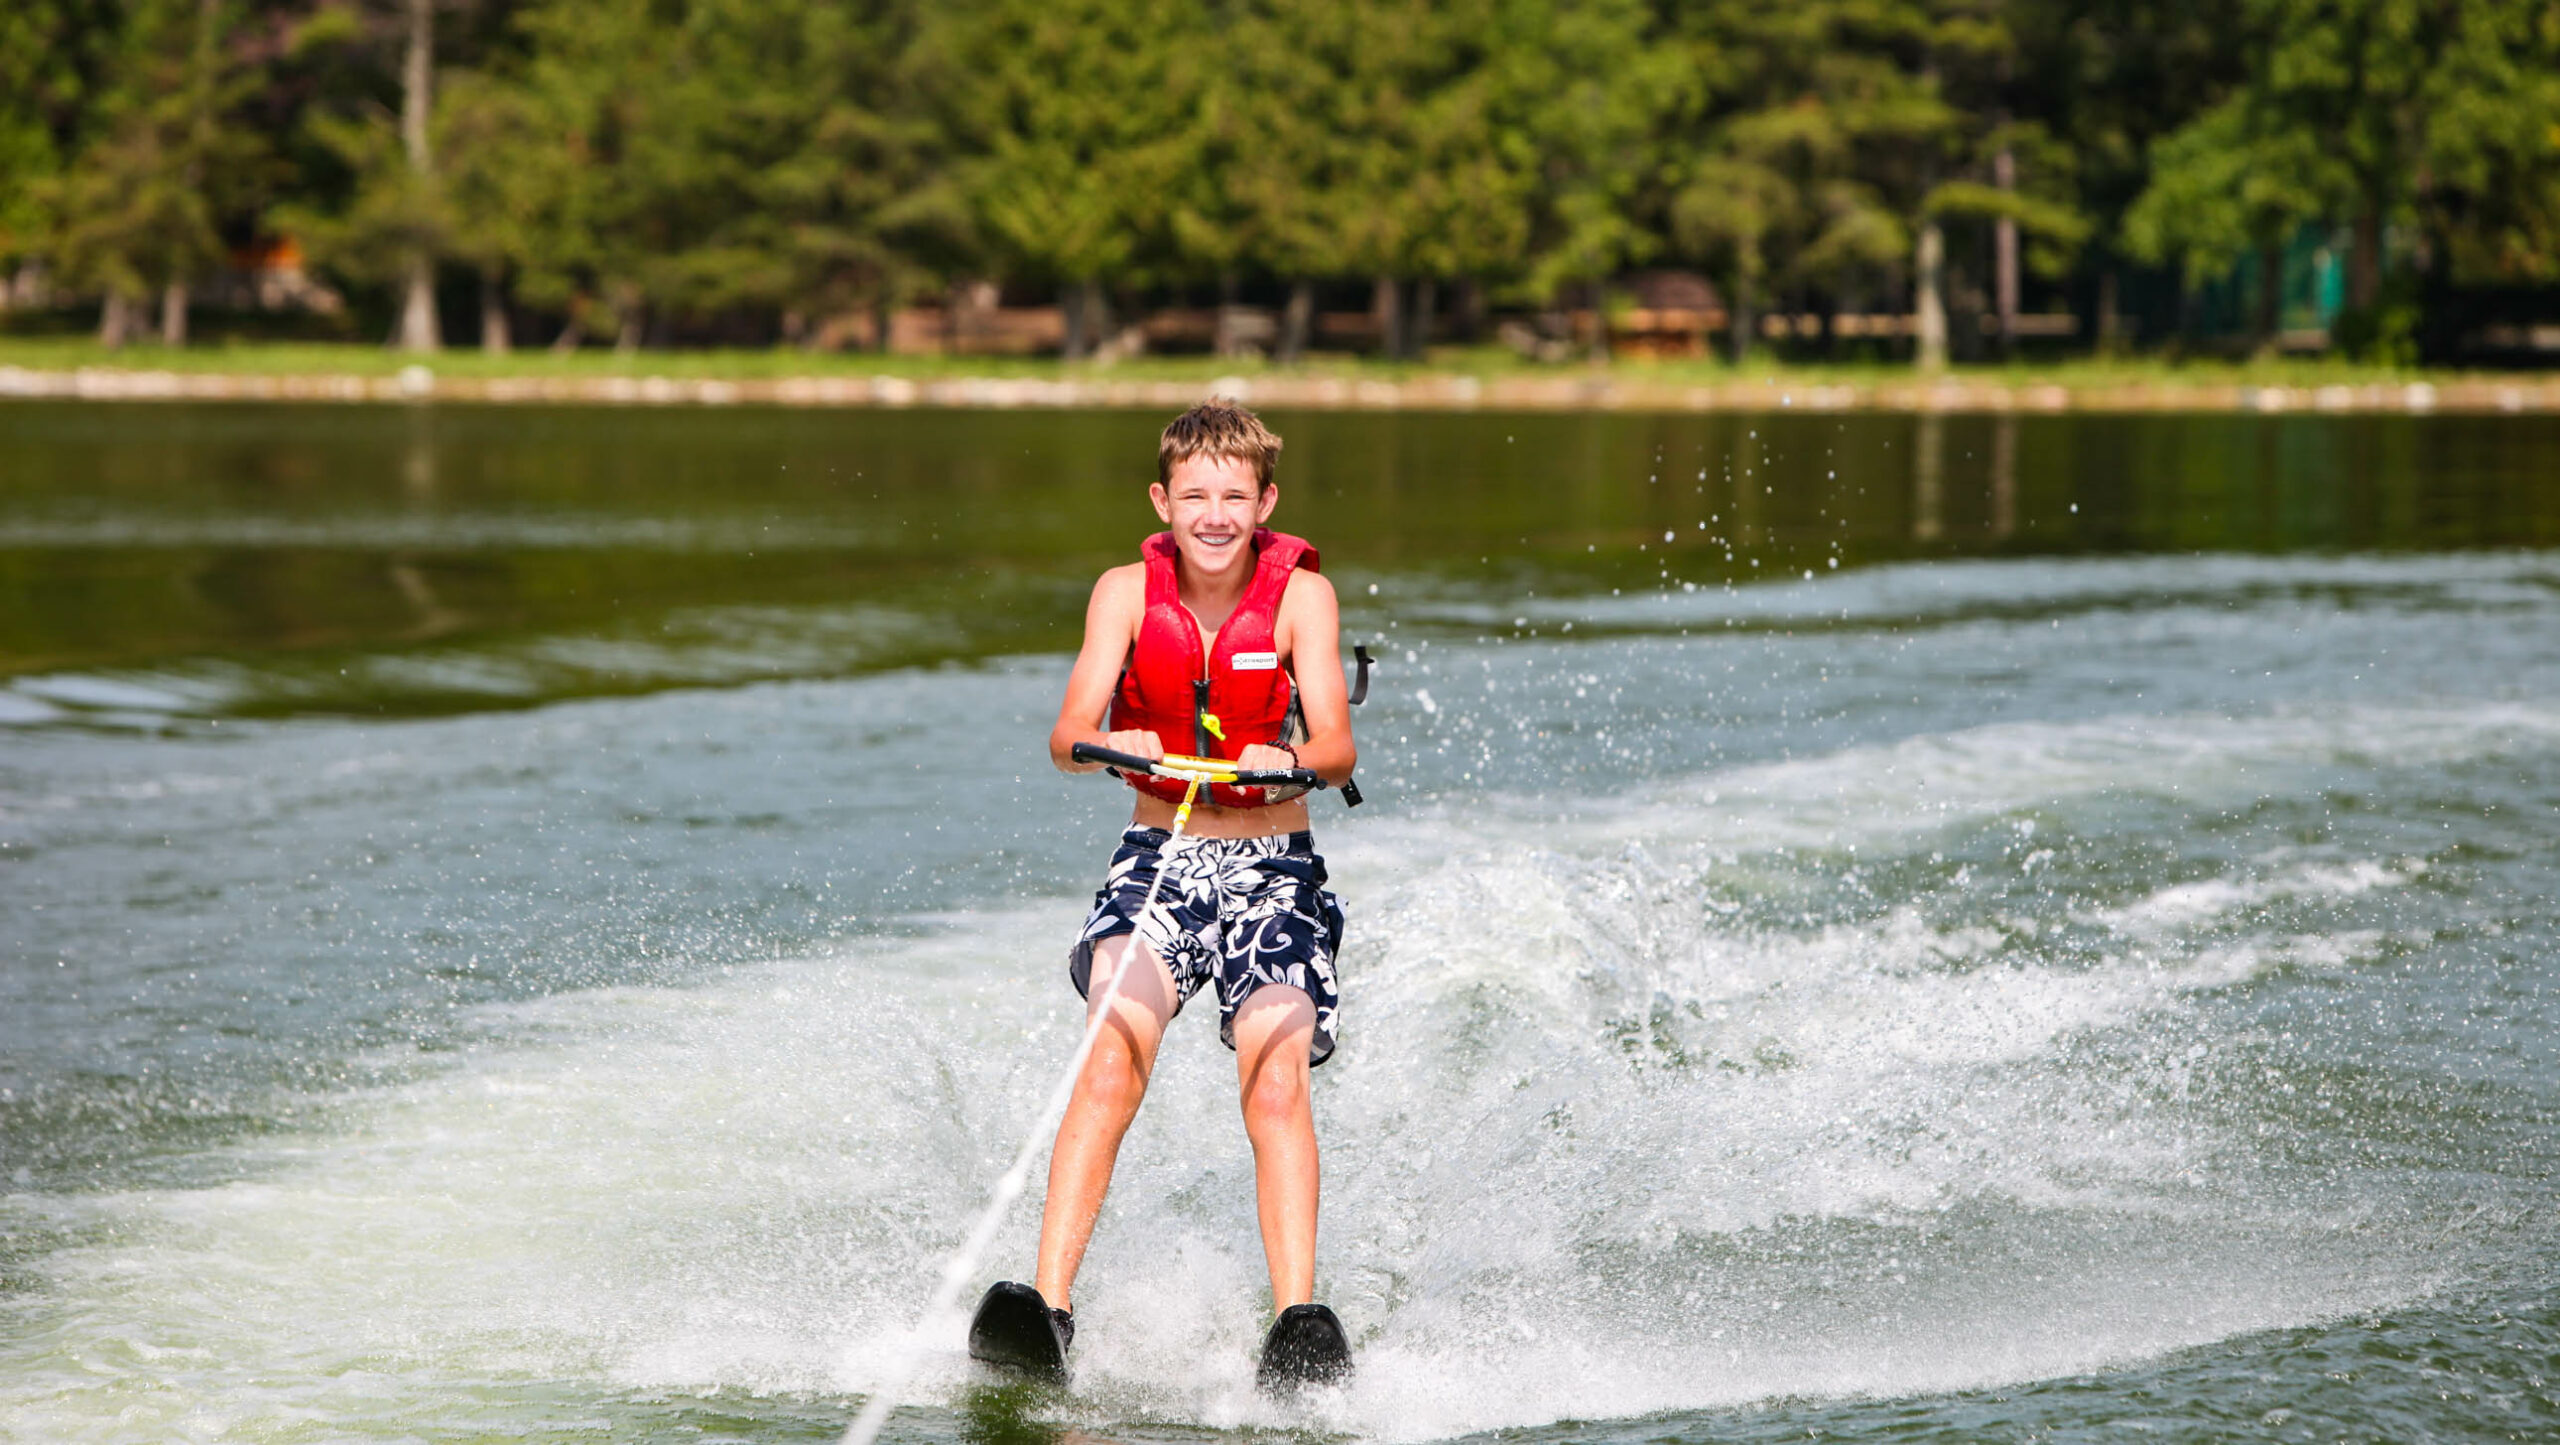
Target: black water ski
<point>1014,1329</point>
<point>1306,1346</point>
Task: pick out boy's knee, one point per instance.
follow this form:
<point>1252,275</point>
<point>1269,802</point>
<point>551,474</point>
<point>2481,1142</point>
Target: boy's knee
<point>1112,1081</point>
<point>1276,1096</point>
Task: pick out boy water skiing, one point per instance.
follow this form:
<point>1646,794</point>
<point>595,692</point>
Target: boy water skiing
<point>1222,640</point>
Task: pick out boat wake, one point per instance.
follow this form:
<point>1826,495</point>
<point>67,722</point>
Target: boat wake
<point>1911,1067</point>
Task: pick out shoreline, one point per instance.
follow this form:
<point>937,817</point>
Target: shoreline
<point>1628,390</point>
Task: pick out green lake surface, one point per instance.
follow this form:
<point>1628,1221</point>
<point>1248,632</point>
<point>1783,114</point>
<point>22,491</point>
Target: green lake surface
<point>545,922</point>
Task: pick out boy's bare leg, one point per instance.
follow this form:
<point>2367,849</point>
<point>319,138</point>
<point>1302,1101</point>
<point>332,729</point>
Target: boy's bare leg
<point>1106,1098</point>
<point>1273,1032</point>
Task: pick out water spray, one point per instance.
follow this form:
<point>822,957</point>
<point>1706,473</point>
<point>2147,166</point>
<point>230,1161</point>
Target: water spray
<point>963,1264</point>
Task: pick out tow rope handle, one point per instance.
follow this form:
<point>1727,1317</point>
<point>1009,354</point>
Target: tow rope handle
<point>1197,770</point>
<point>1207,769</point>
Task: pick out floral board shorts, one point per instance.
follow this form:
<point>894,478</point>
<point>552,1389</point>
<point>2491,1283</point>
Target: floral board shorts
<point>1243,912</point>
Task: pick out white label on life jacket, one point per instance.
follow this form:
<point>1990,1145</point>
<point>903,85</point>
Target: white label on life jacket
<point>1254,661</point>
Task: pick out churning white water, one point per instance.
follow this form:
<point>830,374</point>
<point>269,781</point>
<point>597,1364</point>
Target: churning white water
<point>1634,1113</point>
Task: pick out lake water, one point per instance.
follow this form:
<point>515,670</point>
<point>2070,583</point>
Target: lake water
<point>543,923</point>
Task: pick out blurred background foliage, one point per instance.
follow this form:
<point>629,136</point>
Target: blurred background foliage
<point>650,173</point>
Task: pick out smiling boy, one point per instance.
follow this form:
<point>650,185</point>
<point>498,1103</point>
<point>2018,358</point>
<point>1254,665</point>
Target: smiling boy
<point>1222,640</point>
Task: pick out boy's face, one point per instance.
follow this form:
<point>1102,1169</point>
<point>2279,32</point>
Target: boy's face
<point>1213,504</point>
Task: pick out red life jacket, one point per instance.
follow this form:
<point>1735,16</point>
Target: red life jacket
<point>1248,690</point>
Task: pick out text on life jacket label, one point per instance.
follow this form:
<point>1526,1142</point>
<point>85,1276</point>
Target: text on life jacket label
<point>1254,661</point>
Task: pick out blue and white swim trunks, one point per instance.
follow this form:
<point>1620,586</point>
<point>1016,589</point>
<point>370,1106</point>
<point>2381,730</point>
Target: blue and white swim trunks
<point>1242,912</point>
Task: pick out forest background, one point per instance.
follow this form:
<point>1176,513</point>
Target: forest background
<point>1875,179</point>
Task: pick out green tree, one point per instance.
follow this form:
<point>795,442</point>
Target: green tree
<point>2488,179</point>
<point>1363,142</point>
<point>1803,155</point>
<point>1298,88</point>
<point>2221,190</point>
<point>165,162</point>
<point>643,163</point>
<point>850,179</point>
<point>1827,147</point>
<point>1482,142</point>
<point>50,58</point>
<point>2377,112</point>
<point>1578,92</point>
<point>392,225</point>
<point>1969,166</point>
<point>2111,78</point>
<point>502,178</point>
<point>1077,119</point>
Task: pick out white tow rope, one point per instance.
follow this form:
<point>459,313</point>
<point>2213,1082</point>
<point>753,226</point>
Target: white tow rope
<point>958,1270</point>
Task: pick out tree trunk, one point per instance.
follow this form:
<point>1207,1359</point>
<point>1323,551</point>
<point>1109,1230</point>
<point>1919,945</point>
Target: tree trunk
<point>1097,316</point>
<point>1072,342</point>
<point>2270,293</point>
<point>1929,304</point>
<point>1417,325</point>
<point>630,317</point>
<point>2364,260</point>
<point>115,319</point>
<point>2004,236</point>
<point>1226,339</point>
<point>497,338</point>
<point>418,328</point>
<point>1741,322</point>
<point>1598,299</point>
<point>2110,317</point>
<point>1469,310</point>
<point>882,322</point>
<point>30,287</point>
<point>1088,315</point>
<point>1296,321</point>
<point>173,314</point>
<point>570,336</point>
<point>1386,305</point>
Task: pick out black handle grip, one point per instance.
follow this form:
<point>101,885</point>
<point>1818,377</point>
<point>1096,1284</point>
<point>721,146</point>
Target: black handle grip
<point>1245,777</point>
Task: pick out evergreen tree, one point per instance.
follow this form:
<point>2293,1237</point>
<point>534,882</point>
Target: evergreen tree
<point>1077,121</point>
<point>1370,145</point>
<point>165,161</point>
<point>49,72</point>
<point>2111,78</point>
<point>1577,93</point>
<point>1804,152</point>
<point>391,225</point>
<point>2374,112</point>
<point>650,168</point>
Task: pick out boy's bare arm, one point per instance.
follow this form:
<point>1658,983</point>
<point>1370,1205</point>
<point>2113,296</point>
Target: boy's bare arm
<point>1110,629</point>
<point>1309,634</point>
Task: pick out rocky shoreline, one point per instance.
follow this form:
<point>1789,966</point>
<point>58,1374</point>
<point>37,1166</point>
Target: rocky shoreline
<point>1584,391</point>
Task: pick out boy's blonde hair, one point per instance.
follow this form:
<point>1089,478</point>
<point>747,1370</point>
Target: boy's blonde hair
<point>1217,428</point>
